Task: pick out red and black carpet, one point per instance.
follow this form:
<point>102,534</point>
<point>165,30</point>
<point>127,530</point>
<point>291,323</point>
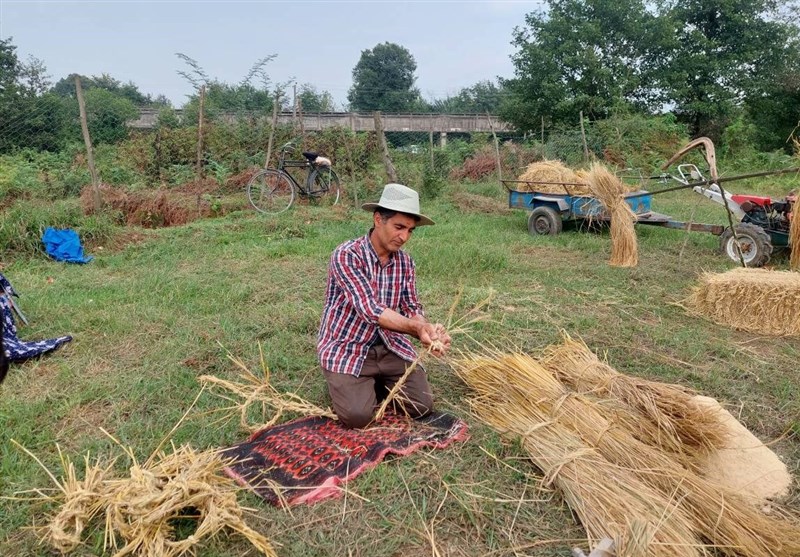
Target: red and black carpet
<point>303,461</point>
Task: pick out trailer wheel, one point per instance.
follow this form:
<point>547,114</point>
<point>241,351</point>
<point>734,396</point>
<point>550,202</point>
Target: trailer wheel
<point>544,221</point>
<point>755,243</point>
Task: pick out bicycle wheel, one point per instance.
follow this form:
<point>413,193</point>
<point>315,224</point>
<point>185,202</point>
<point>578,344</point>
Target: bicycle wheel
<point>323,186</point>
<point>270,192</point>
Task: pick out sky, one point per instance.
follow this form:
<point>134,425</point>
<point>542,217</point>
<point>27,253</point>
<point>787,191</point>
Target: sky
<point>455,44</point>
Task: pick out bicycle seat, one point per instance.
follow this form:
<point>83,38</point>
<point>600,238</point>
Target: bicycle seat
<point>310,155</point>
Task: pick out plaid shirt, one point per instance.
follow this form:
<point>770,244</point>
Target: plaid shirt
<point>359,289</point>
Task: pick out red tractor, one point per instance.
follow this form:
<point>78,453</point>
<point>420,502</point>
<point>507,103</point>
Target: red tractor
<point>763,222</point>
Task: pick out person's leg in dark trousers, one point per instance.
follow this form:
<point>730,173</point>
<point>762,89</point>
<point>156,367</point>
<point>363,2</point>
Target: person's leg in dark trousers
<point>414,398</point>
<point>354,400</point>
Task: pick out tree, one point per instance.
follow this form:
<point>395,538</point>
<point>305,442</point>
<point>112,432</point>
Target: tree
<point>723,52</point>
<point>581,55</point>
<point>484,96</point>
<point>313,101</point>
<point>65,87</point>
<point>383,79</point>
<point>224,97</point>
<point>28,118</point>
<point>775,112</point>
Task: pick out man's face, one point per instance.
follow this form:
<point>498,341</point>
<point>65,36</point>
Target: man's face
<point>394,233</point>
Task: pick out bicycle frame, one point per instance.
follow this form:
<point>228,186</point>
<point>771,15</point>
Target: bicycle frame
<point>284,163</point>
<point>273,190</point>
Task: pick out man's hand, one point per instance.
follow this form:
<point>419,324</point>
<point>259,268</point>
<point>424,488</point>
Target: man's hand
<point>434,336</point>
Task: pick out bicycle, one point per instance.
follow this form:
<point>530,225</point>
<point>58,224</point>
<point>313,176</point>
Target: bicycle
<point>273,190</point>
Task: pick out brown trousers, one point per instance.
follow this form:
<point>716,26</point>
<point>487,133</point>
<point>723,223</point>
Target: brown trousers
<point>355,399</point>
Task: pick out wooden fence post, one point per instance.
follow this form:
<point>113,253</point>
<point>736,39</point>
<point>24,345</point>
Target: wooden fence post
<point>200,118</point>
<point>542,131</point>
<point>496,149</point>
<point>272,126</point>
<point>585,147</point>
<point>387,162</point>
<point>351,166</point>
<point>98,200</point>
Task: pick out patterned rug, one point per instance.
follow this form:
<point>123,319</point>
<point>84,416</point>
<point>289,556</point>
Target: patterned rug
<point>303,461</point>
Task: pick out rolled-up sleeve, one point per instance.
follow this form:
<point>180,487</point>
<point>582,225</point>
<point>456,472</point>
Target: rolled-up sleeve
<point>348,274</point>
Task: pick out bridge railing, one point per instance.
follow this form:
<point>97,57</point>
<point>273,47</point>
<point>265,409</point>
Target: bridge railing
<point>356,121</point>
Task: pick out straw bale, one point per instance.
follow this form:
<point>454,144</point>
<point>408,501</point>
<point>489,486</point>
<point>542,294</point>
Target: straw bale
<point>723,518</point>
<point>610,191</point>
<point>139,511</point>
<point>680,422</point>
<point>548,175</point>
<point>756,300</point>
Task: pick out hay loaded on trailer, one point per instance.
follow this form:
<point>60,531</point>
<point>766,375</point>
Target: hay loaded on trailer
<point>550,212</point>
<point>756,224</point>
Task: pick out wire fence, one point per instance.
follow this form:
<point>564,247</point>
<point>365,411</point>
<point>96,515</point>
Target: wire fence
<point>43,154</point>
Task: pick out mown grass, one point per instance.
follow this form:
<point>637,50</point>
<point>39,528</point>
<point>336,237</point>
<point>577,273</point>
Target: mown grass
<point>151,314</point>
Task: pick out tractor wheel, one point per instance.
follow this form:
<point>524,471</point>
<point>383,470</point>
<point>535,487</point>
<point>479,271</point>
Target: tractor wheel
<point>755,243</point>
<point>544,221</point>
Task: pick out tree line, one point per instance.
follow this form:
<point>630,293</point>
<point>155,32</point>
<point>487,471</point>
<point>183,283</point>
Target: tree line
<point>716,66</point>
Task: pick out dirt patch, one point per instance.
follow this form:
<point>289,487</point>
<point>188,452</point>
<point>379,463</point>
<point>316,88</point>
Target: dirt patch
<point>153,209</point>
<point>475,168</point>
<point>199,187</point>
<point>238,182</point>
<point>472,203</point>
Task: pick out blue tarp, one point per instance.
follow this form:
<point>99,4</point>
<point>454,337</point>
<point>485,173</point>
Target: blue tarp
<point>64,245</point>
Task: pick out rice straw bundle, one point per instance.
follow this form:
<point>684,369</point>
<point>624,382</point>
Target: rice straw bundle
<point>548,175</point>
<point>603,496</point>
<point>610,191</point>
<point>756,300</point>
<point>184,484</point>
<point>82,502</point>
<point>142,509</point>
<point>258,390</point>
<point>794,236</point>
<point>681,423</point>
<point>723,518</point>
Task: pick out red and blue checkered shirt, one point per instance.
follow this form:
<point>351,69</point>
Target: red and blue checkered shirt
<point>359,289</point>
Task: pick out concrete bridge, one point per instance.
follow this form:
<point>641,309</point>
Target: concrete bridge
<point>358,122</point>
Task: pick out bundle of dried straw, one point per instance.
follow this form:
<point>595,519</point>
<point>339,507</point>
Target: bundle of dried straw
<point>679,421</point>
<point>549,175</point>
<point>610,191</point>
<point>258,390</point>
<point>139,512</point>
<point>604,496</point>
<point>756,300</point>
<point>516,394</point>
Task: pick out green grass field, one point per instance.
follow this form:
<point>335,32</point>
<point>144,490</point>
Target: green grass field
<point>157,309</point>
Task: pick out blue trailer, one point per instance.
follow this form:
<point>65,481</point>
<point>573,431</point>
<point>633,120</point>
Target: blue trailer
<point>551,212</point>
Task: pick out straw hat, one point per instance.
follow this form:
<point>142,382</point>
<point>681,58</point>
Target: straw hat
<point>400,198</point>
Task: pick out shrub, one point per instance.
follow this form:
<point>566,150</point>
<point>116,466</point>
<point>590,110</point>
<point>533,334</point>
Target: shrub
<point>23,224</point>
